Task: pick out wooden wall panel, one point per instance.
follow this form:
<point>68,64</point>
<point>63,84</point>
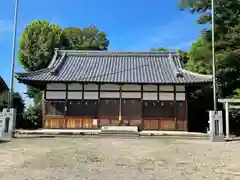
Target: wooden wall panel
<point>115,122</point>
<point>54,122</point>
<point>150,124</point>
<point>167,125</point>
<point>164,125</point>
<point>80,123</point>
<point>135,123</point>
<point>59,122</point>
<point>182,125</point>
<point>104,121</point>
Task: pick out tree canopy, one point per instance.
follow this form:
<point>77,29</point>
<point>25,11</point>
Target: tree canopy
<point>89,38</point>
<point>227,33</point>
<point>37,44</point>
<point>40,38</point>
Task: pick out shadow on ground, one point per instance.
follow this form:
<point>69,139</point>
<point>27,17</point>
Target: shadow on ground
<point>4,141</point>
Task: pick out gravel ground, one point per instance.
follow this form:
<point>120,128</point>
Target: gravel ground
<point>116,158</point>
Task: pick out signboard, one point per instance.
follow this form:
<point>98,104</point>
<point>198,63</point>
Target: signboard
<point>1,127</point>
<point>7,122</point>
<point>95,122</point>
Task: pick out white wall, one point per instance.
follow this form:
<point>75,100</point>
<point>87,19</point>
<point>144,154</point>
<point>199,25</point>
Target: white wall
<point>166,96</point>
<point>56,95</point>
<point>150,96</point>
<point>75,95</point>
<point>56,86</point>
<point>129,87</point>
<point>105,87</point>
<point>180,96</point>
<point>90,87</point>
<point>150,87</point>
<point>180,88</point>
<point>109,95</point>
<point>131,95</point>
<point>166,88</point>
<point>90,95</point>
<point>75,87</point>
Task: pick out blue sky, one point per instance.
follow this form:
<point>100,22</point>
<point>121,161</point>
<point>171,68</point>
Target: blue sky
<point>135,25</point>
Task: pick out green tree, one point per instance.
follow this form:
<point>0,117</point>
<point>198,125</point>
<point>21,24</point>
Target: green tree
<point>36,49</point>
<point>40,38</point>
<point>37,43</point>
<point>33,115</point>
<point>89,38</point>
<point>227,22</point>
<point>227,45</point>
<point>159,49</point>
<point>200,57</point>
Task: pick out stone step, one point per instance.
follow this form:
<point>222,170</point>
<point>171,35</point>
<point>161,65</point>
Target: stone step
<point>120,134</point>
<point>119,129</point>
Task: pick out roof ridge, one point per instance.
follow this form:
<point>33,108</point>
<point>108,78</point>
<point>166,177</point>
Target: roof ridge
<point>174,66</point>
<point>4,83</point>
<point>109,53</point>
<point>195,74</point>
<point>33,72</point>
<point>59,64</point>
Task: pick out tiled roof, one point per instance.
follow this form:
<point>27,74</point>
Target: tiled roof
<point>3,85</point>
<point>115,67</point>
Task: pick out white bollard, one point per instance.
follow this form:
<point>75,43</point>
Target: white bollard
<point>216,126</point>
<point>7,122</point>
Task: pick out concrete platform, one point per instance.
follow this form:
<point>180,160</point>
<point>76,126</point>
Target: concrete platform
<point>97,133</point>
<point>173,133</point>
<point>60,131</point>
<point>120,128</point>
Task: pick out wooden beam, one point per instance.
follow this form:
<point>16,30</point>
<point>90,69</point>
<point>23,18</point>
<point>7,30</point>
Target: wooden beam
<point>229,100</point>
<point>234,107</point>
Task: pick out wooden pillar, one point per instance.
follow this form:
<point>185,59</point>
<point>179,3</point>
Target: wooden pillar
<point>227,119</point>
<point>142,120</point>
<point>174,108</point>
<point>98,105</point>
<point>120,106</point>
<point>66,108</point>
<point>43,107</point>
<point>186,108</point>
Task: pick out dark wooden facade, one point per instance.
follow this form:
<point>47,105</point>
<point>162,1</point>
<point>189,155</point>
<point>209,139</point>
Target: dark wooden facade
<point>150,107</point>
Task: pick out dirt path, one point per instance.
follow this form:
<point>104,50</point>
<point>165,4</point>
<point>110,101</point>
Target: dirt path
<point>115,158</point>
